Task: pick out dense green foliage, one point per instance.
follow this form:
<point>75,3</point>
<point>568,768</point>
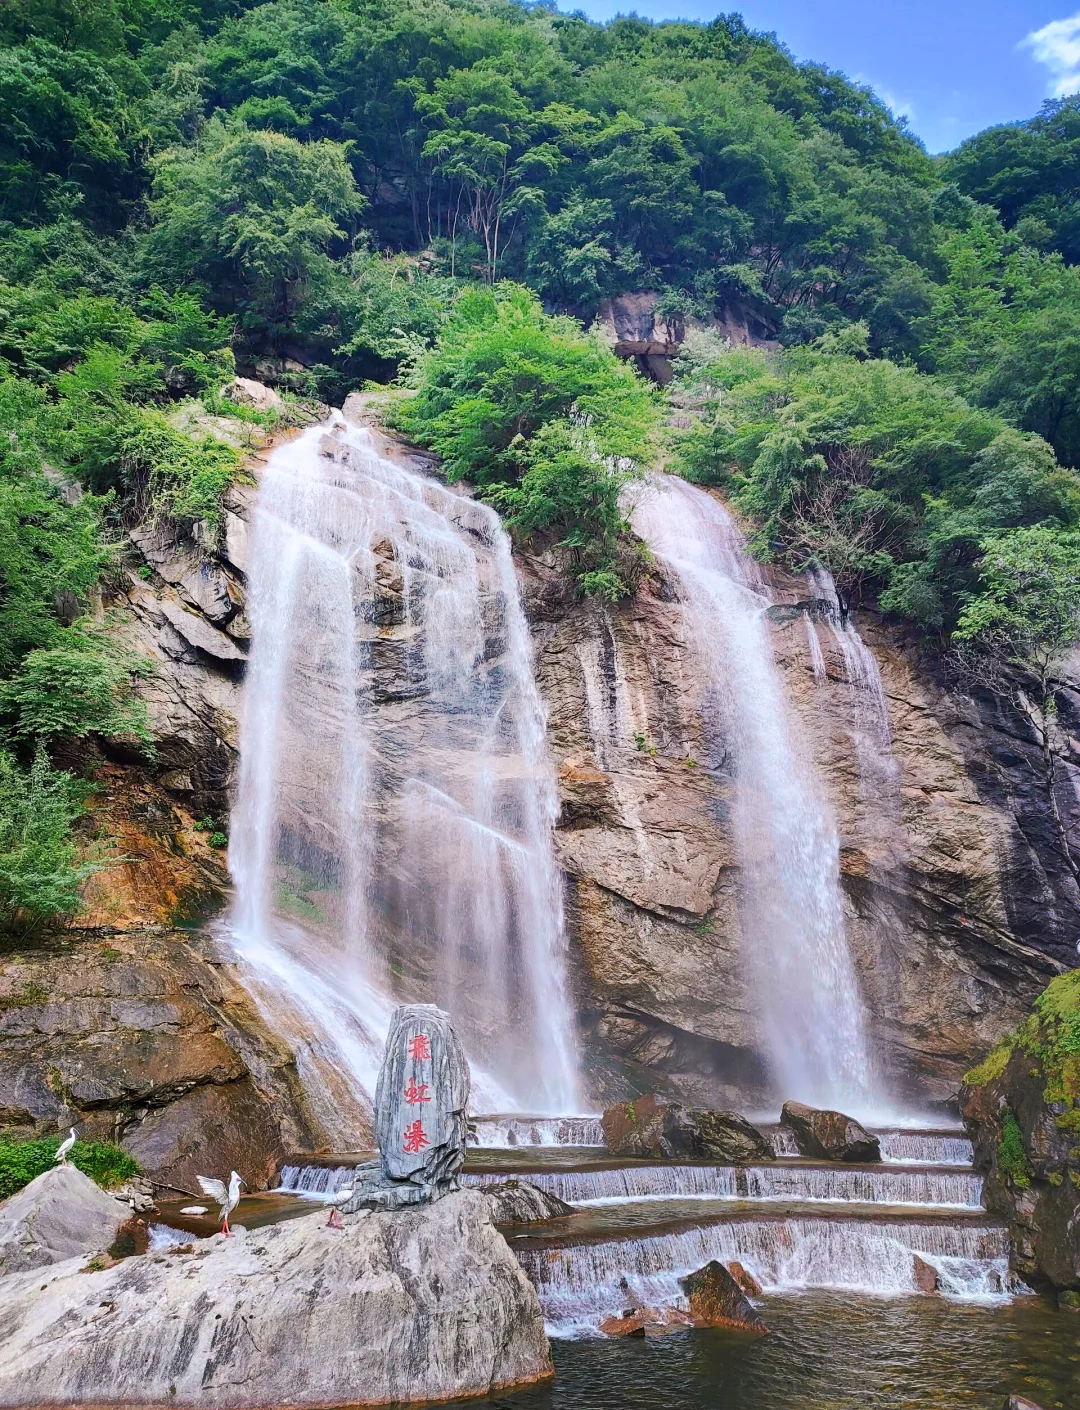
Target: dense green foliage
<point>1031,172</point>
<point>23,1161</point>
<point>544,417</point>
<point>884,476</point>
<point>40,875</point>
<point>445,191</point>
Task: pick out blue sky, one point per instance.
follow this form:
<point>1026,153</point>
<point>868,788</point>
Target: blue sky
<point>954,66</point>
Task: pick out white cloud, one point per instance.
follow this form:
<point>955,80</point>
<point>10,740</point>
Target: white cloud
<point>1057,45</point>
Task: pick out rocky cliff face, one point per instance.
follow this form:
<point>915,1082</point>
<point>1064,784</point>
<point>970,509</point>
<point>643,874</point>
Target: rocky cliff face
<point>1021,1107</point>
<point>959,907</point>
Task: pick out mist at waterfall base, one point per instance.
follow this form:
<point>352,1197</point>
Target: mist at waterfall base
<point>791,909</point>
<point>392,837</point>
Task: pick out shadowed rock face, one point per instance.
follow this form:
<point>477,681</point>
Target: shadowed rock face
<point>716,1300</point>
<point>418,1305</point>
<point>146,1039</point>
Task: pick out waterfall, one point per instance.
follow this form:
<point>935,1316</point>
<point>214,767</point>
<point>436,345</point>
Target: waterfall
<point>871,732</point>
<point>939,1189</point>
<point>392,837</point>
<point>579,1284</point>
<point>791,907</point>
<point>508,1132</point>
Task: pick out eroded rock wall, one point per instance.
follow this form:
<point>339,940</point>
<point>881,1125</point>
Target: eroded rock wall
<point>959,907</point>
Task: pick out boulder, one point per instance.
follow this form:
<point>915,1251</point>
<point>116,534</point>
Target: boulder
<point>518,1202</point>
<point>62,1214</point>
<point>926,1276</point>
<point>829,1135</point>
<point>1019,1402</point>
<point>245,391</point>
<point>668,1130</point>
<point>416,1305</point>
<point>745,1279</point>
<point>716,1300</point>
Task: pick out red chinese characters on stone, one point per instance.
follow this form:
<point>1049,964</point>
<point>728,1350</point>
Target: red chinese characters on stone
<point>420,1048</point>
<point>415,1140</point>
<point>415,1092</point>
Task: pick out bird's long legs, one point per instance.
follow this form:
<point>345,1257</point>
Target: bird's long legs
<point>334,1222</point>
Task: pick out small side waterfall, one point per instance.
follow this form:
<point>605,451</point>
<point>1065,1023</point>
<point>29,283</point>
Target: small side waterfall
<point>791,909</point>
<point>392,834</point>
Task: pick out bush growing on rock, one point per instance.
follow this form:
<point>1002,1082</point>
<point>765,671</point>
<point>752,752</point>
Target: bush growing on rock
<point>23,1161</point>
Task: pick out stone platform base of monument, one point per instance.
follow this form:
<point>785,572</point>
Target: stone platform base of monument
<point>290,1314</point>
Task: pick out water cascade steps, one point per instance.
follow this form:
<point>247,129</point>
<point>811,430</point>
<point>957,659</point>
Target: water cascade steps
<point>796,1224</point>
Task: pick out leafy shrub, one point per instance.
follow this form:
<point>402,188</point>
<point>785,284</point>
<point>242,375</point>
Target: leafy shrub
<point>40,877</point>
<point>545,418</point>
<point>23,1161</point>
<point>83,685</point>
<point>1013,1160</point>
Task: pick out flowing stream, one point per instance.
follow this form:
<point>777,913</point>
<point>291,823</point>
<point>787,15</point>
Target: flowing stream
<point>791,908</point>
<point>392,835</point>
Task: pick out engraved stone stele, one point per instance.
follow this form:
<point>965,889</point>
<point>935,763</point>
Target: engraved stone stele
<point>420,1102</point>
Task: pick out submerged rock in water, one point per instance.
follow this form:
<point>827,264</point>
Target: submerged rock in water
<point>829,1135</point>
<point>420,1102</point>
<point>62,1214</point>
<point>716,1300</point>
<point>419,1305</point>
<point>1019,1402</point>
<point>647,1127</point>
<point>518,1202</point>
<point>926,1275</point>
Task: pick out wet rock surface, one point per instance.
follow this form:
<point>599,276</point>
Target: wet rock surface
<point>59,1215</point>
<point>959,907</point>
<point>649,1127</point>
<point>829,1135</point>
<point>518,1202</point>
<point>716,1300</point>
<point>417,1305</point>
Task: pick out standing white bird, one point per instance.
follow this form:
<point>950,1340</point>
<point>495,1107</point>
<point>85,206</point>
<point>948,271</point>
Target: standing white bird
<point>227,1199</point>
<point>62,1153</point>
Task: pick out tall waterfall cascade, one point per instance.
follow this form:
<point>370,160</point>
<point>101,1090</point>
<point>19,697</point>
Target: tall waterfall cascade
<point>791,909</point>
<point>393,832</point>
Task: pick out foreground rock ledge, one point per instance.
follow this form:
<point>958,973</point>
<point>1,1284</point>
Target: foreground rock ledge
<point>424,1304</point>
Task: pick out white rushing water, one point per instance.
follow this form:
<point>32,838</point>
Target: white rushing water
<point>580,1284</point>
<point>394,784</point>
<point>791,908</point>
<point>835,1184</point>
<point>871,732</point>
<point>510,1132</point>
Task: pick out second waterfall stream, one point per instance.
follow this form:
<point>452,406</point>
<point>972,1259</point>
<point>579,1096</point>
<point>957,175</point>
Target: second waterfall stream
<point>791,909</point>
<point>393,830</point>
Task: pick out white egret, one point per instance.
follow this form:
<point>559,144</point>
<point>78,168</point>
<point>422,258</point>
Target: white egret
<point>62,1154</point>
<point>227,1199</point>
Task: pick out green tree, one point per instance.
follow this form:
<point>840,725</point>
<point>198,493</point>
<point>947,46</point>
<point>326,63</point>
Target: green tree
<point>253,215</point>
<point>40,876</point>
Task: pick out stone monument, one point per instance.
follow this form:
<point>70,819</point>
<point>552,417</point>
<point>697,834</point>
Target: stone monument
<point>420,1102</point>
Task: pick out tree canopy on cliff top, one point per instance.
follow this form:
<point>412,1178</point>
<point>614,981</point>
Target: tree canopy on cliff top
<point>315,182</point>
